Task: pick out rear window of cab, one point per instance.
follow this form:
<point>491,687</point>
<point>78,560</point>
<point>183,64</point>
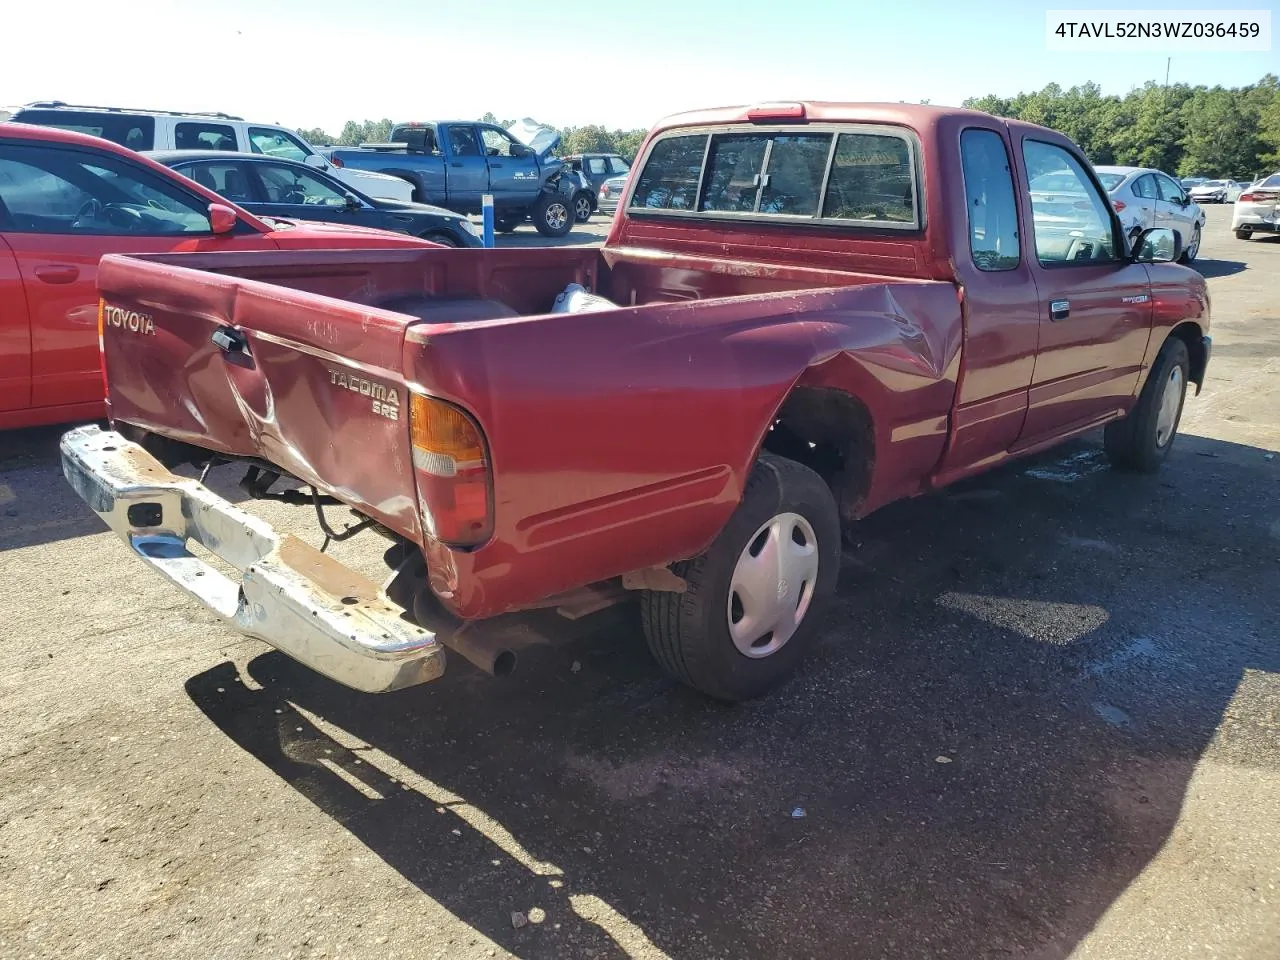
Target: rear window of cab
<point>848,174</point>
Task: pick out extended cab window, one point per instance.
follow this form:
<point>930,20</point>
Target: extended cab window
<point>67,192</point>
<point>226,179</point>
<point>1070,219</point>
<point>990,200</point>
<point>203,136</point>
<point>868,178</point>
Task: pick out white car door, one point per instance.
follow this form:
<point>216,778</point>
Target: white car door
<point>1174,208</point>
<point>1146,198</point>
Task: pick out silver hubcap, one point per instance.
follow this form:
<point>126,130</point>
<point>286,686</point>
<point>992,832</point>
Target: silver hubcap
<point>1169,404</point>
<point>772,585</point>
<point>557,214</point>
<point>584,208</point>
<point>1195,244</point>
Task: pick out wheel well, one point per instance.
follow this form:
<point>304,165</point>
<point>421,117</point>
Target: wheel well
<point>830,432</point>
<point>1189,333</point>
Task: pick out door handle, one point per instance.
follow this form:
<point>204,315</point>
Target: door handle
<point>229,340</point>
<point>494,165</point>
<point>58,273</point>
<point>1059,310</point>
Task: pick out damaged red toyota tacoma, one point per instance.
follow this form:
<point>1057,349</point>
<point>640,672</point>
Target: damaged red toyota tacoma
<point>803,312</point>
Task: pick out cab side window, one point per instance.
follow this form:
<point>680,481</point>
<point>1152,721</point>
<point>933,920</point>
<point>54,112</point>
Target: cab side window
<point>1145,187</point>
<point>463,141</point>
<point>1171,191</point>
<point>276,143</point>
<point>1070,219</point>
<point>67,192</point>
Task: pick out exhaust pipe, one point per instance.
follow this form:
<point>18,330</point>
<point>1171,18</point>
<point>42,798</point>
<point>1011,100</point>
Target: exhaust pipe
<point>478,643</point>
<point>486,652</point>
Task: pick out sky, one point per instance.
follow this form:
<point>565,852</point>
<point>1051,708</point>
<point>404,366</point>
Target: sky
<point>625,63</point>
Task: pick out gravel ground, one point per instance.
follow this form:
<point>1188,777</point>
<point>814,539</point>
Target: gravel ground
<point>1043,723</point>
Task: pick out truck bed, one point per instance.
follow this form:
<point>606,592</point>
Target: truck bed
<point>633,460</point>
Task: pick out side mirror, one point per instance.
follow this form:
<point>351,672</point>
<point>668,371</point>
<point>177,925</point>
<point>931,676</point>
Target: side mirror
<point>222,219</point>
<point>317,161</point>
<point>1158,245</point>
<point>353,202</point>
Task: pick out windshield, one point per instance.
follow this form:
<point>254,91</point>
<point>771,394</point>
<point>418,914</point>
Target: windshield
<point>1214,183</point>
<point>1271,181</point>
<point>1111,180</point>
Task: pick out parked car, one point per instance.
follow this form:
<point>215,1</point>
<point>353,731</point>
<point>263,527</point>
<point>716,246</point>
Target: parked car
<point>1234,189</point>
<point>1188,182</point>
<point>611,194</point>
<point>1257,209</point>
<point>779,350</point>
<point>1146,198</point>
<point>454,163</point>
<point>597,168</point>
<point>65,200</point>
<point>161,130</point>
<point>272,187</point>
<point>1210,191</point>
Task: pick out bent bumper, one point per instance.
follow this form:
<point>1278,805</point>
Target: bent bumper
<point>290,595</point>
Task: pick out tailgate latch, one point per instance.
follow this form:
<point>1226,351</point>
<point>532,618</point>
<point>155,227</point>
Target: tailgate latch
<point>229,340</point>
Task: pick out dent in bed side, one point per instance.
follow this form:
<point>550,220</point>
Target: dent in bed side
<point>640,458</point>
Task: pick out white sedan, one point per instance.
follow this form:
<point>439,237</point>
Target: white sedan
<point>1257,209</point>
<point>1146,198</point>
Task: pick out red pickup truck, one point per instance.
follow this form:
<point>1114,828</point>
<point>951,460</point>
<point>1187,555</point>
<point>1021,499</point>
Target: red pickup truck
<point>65,200</point>
<point>807,310</point>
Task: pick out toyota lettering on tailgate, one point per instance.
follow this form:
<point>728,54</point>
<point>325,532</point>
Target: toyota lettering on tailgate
<point>133,321</point>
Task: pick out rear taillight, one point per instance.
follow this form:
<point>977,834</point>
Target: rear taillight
<point>451,466</point>
<point>1118,204</point>
<point>336,161</point>
<point>1250,197</point>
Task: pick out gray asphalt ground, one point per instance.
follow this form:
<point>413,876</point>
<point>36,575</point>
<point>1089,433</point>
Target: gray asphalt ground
<point>1042,724</point>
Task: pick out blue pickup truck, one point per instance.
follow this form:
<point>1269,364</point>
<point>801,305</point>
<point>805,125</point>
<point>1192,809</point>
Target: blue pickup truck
<point>453,163</point>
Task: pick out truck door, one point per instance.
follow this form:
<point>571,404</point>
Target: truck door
<point>514,175</point>
<point>1094,304</point>
<point>1000,305</point>
<point>468,169</point>
<point>15,332</point>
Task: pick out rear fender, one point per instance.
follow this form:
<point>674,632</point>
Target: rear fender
<point>639,458</point>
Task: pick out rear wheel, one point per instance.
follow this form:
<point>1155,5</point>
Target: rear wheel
<point>443,239</point>
<point>1142,440</point>
<point>553,216</point>
<point>1193,246</point>
<point>1244,234</point>
<point>582,209</point>
<point>756,597</point>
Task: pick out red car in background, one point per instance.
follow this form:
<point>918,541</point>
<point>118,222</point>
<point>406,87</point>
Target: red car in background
<point>65,200</point>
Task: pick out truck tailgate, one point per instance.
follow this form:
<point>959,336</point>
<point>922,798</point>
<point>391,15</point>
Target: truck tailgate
<point>310,384</point>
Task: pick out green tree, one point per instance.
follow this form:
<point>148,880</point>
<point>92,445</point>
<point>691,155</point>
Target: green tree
<point>316,137</point>
<point>1220,136</point>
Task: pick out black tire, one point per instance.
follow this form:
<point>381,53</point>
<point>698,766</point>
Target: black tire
<point>1192,248</point>
<point>1244,234</point>
<point>582,206</point>
<point>1135,442</point>
<point>441,238</point>
<point>689,633</point>
<point>553,215</point>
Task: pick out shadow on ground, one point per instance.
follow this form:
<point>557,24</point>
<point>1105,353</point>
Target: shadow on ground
<point>1218,268</point>
<point>1066,639</point>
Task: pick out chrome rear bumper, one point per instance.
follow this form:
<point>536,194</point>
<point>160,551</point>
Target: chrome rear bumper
<point>290,595</point>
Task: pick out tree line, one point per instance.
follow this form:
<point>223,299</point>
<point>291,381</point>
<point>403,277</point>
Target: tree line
<point>591,138</point>
<point>1216,132</point>
<point>1219,132</point>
